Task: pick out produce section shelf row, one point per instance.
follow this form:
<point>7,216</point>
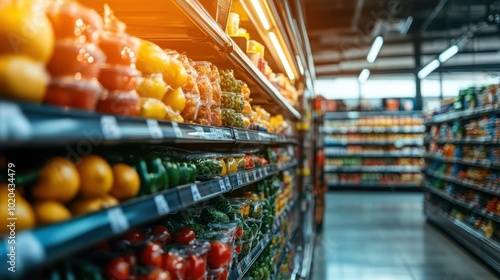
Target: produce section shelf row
<point>483,142</point>
<point>462,182</point>
<point>373,185</point>
<point>461,203</point>
<point>24,124</point>
<point>45,245</point>
<point>462,115</point>
<point>480,245</point>
<point>239,271</point>
<point>393,169</point>
<point>285,251</point>
<point>369,129</point>
<point>474,163</point>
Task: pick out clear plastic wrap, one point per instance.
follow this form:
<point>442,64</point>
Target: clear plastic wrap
<point>204,116</point>
<point>216,118</point>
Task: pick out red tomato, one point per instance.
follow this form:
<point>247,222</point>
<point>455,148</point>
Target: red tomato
<point>135,236</point>
<point>238,249</point>
<point>151,255</point>
<point>174,263</point>
<point>218,255</point>
<point>184,236</point>
<point>196,267</point>
<point>130,258</point>
<point>239,232</point>
<point>224,274</point>
<point>118,269</point>
<point>157,274</point>
<point>161,233</point>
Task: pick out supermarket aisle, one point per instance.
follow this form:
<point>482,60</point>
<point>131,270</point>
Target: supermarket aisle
<point>384,236</point>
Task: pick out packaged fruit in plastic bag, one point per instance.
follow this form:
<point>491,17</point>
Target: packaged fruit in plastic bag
<point>228,82</point>
<point>152,86</point>
<point>152,108</point>
<point>205,88</point>
<point>216,117</point>
<point>151,59</point>
<point>204,116</point>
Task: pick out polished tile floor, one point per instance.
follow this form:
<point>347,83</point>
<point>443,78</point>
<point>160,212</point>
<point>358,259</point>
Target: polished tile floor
<point>385,236</point>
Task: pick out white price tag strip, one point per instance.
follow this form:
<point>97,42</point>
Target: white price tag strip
<point>154,129</point>
<point>222,185</point>
<point>260,172</point>
<point>238,179</point>
<point>117,220</point>
<point>110,129</point>
<point>266,172</point>
<point>195,192</point>
<point>254,173</point>
<point>201,133</point>
<point>228,183</point>
<point>161,204</point>
<point>236,134</point>
<point>177,130</point>
<point>238,269</point>
<point>247,178</point>
<point>248,135</point>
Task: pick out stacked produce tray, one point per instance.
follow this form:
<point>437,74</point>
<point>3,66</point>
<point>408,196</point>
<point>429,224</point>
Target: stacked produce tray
<point>373,150</point>
<point>462,179</point>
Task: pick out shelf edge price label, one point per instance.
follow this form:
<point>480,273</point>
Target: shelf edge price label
<point>196,193</point>
<point>266,172</point>
<point>110,129</point>
<point>247,260</point>
<point>201,133</point>
<point>238,179</point>
<point>222,185</point>
<point>260,172</point>
<point>240,272</point>
<point>117,220</point>
<point>177,130</point>
<point>248,135</point>
<point>228,183</point>
<point>247,178</point>
<point>154,129</point>
<point>161,204</point>
<point>254,173</point>
<point>236,134</point>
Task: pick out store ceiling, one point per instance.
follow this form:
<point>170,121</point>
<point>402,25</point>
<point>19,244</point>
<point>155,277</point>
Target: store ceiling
<point>342,31</point>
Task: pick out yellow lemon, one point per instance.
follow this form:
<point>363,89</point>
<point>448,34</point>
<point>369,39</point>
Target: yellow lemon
<point>175,99</point>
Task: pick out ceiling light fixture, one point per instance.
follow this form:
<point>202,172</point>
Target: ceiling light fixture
<point>375,49</point>
<point>363,76</point>
<point>282,55</point>
<point>261,14</point>
<point>433,65</point>
<point>449,53</point>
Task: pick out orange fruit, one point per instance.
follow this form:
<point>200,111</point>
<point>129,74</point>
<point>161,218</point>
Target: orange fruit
<point>175,99</point>
<point>96,176</point>
<point>108,201</point>
<point>22,78</point>
<point>151,58</point>
<point>23,211</point>
<point>50,211</point>
<point>58,180</point>
<point>26,30</point>
<point>175,75</point>
<point>126,182</point>
<point>84,206</point>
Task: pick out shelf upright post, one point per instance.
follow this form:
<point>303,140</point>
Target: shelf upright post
<point>418,63</point>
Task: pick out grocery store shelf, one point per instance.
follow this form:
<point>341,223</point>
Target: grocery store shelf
<point>239,271</point>
<point>286,250</point>
<point>45,245</point>
<point>483,142</point>
<point>356,115</point>
<point>382,169</point>
<point>374,129</point>
<point>30,124</point>
<point>398,143</point>
<point>463,183</point>
<point>482,246</point>
<point>469,206</point>
<point>333,186</point>
<point>462,115</point>
<point>474,163</point>
<point>373,155</point>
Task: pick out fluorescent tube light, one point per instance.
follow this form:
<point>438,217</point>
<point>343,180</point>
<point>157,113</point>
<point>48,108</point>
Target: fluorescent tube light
<point>449,53</point>
<point>433,65</point>
<point>282,55</point>
<point>299,62</point>
<point>375,49</point>
<point>363,76</point>
<point>261,14</point>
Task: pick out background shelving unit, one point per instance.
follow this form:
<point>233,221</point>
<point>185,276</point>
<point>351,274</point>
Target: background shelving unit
<point>459,202</point>
<point>364,149</point>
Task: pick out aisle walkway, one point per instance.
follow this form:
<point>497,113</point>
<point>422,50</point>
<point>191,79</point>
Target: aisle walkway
<point>384,236</point>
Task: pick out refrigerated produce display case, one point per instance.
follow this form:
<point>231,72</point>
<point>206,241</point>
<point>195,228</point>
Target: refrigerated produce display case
<point>157,141</point>
<point>373,150</point>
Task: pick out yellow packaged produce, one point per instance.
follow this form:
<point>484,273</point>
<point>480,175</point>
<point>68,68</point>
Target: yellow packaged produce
<point>50,212</point>
<point>151,58</point>
<point>58,180</point>
<point>22,78</point>
<point>175,75</point>
<point>152,108</point>
<point>224,167</point>
<point>175,99</point>
<point>152,86</point>
<point>232,165</point>
<point>26,30</point>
